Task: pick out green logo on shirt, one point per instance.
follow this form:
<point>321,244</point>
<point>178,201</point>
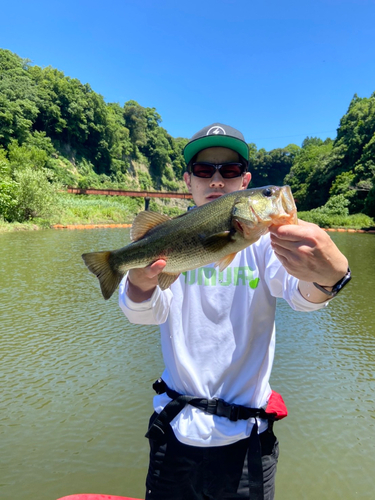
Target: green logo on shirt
<point>211,276</point>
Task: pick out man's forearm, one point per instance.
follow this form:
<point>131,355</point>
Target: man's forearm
<point>311,293</point>
<point>136,294</point>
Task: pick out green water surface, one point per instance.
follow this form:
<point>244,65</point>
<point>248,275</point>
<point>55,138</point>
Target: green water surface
<point>75,378</point>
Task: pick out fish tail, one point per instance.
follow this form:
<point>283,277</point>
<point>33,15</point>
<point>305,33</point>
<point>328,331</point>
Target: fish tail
<point>99,264</point>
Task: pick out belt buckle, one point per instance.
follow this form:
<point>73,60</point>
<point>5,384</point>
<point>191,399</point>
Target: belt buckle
<point>235,413</point>
<point>212,406</point>
<point>228,410</point>
<point>225,409</point>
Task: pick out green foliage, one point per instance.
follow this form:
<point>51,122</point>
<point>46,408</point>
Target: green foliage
<point>309,176</point>
<point>25,190</point>
<point>153,142</point>
<point>21,157</point>
<point>336,205</point>
<point>39,140</point>
<point>63,170</point>
<point>168,179</point>
<point>8,201</point>
<point>136,122</point>
<point>145,180</point>
<point>314,141</point>
<point>356,143</point>
<point>369,208</point>
<point>176,155</point>
<point>342,184</point>
<point>355,221</point>
<point>271,167</point>
<point>35,195</point>
<point>87,176</point>
<point>97,209</point>
<point>170,185</point>
<point>47,118</point>
<point>360,221</point>
<point>18,99</point>
<point>8,190</point>
<point>55,129</point>
<point>335,213</point>
<point>170,211</point>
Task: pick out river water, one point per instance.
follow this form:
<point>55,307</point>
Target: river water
<point>75,379</point>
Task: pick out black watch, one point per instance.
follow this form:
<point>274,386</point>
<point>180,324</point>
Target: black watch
<point>337,287</point>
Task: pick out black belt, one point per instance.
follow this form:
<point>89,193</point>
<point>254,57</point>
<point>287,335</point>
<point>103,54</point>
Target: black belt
<point>215,406</point>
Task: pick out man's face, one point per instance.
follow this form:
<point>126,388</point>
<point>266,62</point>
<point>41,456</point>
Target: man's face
<point>206,190</point>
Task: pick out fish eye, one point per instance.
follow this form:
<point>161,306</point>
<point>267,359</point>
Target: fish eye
<point>267,192</point>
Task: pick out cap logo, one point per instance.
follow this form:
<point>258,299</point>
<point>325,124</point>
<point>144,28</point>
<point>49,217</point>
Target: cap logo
<point>216,130</point>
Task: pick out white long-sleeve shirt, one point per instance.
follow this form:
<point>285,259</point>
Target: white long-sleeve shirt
<point>218,338</point>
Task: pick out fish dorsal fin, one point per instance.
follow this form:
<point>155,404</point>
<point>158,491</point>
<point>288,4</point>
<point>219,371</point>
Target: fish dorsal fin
<point>144,222</point>
<point>225,261</point>
<point>165,280</point>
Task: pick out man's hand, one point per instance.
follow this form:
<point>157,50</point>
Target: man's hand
<point>308,253</point>
<point>142,282</point>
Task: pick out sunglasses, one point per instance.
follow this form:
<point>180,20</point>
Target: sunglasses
<point>228,170</point>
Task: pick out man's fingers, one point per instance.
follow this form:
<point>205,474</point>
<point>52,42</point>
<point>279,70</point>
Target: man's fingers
<point>291,232</point>
<point>155,268</point>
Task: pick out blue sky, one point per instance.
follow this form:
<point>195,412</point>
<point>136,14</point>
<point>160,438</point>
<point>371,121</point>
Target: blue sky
<point>277,70</point>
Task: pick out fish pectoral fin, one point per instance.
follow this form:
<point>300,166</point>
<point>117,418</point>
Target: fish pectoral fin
<point>165,280</point>
<point>216,241</point>
<point>98,263</point>
<point>145,221</point>
<point>225,261</point>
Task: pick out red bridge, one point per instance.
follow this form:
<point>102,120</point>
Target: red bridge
<point>122,192</point>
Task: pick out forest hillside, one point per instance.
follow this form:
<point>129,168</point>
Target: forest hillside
<point>56,131</point>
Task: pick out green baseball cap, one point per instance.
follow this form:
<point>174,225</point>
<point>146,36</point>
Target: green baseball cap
<point>216,135</point>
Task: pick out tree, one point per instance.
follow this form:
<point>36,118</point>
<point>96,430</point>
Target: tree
<point>136,122</point>
<point>355,143</point>
<point>309,177</point>
<point>271,167</point>
<point>35,195</point>
<point>8,189</point>
<point>311,141</point>
<point>18,99</point>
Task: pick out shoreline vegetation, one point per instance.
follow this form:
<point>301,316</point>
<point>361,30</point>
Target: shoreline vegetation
<point>109,226</point>
<point>57,132</point>
<point>14,227</point>
<point>101,211</point>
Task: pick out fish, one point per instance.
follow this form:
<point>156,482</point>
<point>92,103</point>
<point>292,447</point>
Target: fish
<point>211,233</point>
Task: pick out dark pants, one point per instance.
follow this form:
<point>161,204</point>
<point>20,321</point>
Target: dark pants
<point>181,472</point>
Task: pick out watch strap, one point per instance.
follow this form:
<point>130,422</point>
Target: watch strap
<point>337,286</point>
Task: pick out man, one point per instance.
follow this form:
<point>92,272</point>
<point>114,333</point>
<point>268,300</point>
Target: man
<point>209,436</point>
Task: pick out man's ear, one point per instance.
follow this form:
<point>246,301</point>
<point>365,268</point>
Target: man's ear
<point>187,180</point>
<point>246,180</point>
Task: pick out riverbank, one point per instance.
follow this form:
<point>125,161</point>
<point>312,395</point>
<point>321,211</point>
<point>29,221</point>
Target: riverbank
<point>103,226</point>
<point>348,230</point>
<point>88,226</point>
<point>9,227</point>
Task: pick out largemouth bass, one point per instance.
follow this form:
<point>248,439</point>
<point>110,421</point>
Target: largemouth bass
<point>214,232</point>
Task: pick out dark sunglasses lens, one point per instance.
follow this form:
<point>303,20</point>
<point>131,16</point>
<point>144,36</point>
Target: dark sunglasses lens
<point>227,171</point>
<point>231,170</point>
<point>202,170</point>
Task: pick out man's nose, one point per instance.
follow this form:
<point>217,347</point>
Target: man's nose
<point>217,180</point>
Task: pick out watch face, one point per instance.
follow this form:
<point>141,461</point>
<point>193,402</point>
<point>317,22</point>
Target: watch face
<point>340,285</point>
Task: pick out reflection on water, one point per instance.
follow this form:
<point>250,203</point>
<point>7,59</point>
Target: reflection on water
<point>76,378</point>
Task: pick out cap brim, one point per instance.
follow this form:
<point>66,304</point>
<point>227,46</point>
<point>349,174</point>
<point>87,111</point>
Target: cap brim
<point>211,141</point>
